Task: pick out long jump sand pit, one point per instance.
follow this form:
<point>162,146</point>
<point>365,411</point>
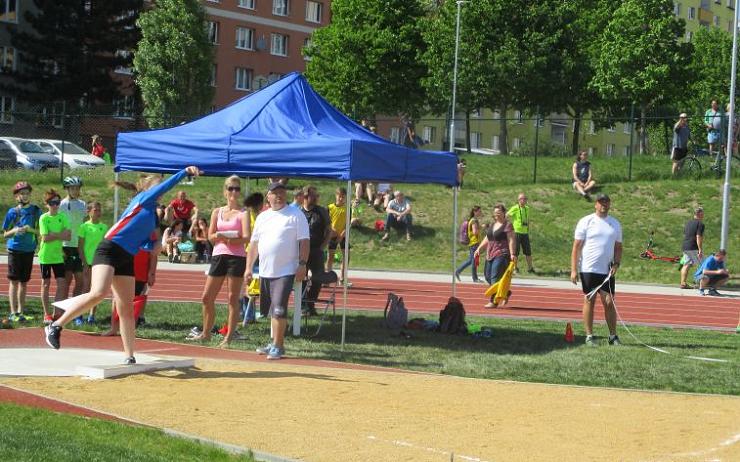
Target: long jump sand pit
<point>317,413</point>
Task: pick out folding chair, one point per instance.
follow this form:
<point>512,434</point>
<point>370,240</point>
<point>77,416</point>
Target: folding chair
<point>329,282</point>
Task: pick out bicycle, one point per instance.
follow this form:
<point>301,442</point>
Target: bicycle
<point>720,160</point>
<point>691,165</point>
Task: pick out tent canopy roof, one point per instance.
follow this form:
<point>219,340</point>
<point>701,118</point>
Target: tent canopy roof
<point>285,129</point>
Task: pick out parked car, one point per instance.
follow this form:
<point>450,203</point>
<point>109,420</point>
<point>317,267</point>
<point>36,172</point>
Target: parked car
<point>74,155</point>
<point>28,154</point>
<point>7,157</point>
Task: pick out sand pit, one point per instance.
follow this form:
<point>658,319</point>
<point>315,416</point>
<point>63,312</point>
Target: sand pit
<point>327,414</point>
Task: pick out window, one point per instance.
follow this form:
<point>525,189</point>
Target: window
<point>54,114</point>
<point>280,7</point>
<point>716,20</point>
<point>7,59</point>
<point>430,134</point>
<point>729,26</point>
<point>474,140</point>
<point>122,69</point>
<point>730,4</point>
<point>395,134</point>
<point>676,9</point>
<point>9,10</point>
<point>306,45</point>
<point>626,151</point>
<point>245,38</point>
<point>689,35</point>
<point>214,74</point>
<point>516,143</point>
<point>475,113</point>
<point>611,128</point>
<point>692,13</point>
<point>243,79</point>
<point>718,2</point>
<point>249,4</point>
<point>495,143</point>
<point>313,11</point>
<point>7,106</point>
<point>591,127</point>
<point>627,127</point>
<point>279,45</point>
<point>704,4</point>
<point>610,149</point>
<point>213,32</point>
<point>496,114</point>
<point>518,116</point>
<point>539,122</point>
<point>124,107</point>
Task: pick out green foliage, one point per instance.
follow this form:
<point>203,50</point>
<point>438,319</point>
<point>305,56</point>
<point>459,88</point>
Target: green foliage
<point>174,60</point>
<point>710,68</point>
<point>70,55</point>
<point>366,62</point>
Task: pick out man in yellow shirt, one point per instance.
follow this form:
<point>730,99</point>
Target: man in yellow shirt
<point>338,221</point>
<point>520,218</point>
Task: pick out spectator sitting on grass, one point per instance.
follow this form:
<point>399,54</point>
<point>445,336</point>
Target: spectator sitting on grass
<point>583,181</point>
<point>712,274</point>
<point>170,239</point>
<point>399,216</point>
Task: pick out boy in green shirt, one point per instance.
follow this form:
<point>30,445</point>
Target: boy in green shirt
<point>53,229</point>
<point>90,234</point>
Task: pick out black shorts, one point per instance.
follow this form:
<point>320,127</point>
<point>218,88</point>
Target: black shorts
<point>112,254</point>
<point>57,268</point>
<point>20,265</point>
<point>334,243</point>
<point>72,260</point>
<point>679,154</point>
<point>714,279</point>
<point>227,265</point>
<point>590,281</point>
<point>274,294</point>
<point>522,242</point>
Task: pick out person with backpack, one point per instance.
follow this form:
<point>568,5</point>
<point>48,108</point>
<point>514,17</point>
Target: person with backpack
<point>20,228</point>
<point>470,234</point>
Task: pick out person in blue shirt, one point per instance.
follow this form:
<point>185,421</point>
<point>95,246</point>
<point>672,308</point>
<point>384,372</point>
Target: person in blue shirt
<point>113,264</point>
<point>20,228</point>
<point>712,274</point>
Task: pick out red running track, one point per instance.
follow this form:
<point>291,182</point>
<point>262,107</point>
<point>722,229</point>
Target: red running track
<point>526,302</point>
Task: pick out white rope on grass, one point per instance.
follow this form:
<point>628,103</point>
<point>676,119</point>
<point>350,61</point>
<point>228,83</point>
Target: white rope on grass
<point>593,293</point>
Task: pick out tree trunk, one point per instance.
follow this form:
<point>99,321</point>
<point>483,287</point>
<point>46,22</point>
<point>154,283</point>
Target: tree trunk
<point>576,133</point>
<point>504,137</point>
<point>467,131</point>
<point>643,130</point>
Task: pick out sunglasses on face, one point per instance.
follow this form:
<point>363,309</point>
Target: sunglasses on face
<point>54,202</point>
<point>234,188</point>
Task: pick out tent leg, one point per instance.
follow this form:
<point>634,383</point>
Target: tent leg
<point>345,257</point>
<point>454,239</point>
<point>297,289</point>
<point>116,198</point>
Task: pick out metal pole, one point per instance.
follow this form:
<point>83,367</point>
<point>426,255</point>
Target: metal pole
<point>452,145</point>
<point>536,144</point>
<point>345,259</point>
<point>632,129</point>
<point>115,198</point>
<point>730,135</point>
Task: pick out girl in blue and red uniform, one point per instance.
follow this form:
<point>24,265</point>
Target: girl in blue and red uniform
<point>113,265</point>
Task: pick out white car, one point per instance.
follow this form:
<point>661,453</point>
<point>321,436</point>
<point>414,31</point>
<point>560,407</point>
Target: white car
<point>74,155</point>
<point>28,154</point>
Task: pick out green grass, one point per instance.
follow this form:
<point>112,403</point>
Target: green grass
<point>36,434</point>
<point>652,202</point>
<point>531,351</point>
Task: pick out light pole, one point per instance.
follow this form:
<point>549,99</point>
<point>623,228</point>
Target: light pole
<point>730,135</point>
<point>452,145</point>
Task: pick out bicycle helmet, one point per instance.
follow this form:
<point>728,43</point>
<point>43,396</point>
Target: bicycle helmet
<point>21,185</point>
<point>72,181</point>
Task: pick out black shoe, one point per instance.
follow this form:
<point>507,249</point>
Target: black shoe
<point>53,336</point>
<point>457,276</point>
<point>129,361</point>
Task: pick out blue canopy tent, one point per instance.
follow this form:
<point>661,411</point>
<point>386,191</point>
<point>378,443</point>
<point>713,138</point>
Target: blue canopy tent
<point>283,130</point>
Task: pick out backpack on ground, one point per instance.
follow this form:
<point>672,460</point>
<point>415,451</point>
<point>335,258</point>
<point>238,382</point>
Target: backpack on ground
<point>452,317</point>
<point>463,233</point>
<point>395,314</point>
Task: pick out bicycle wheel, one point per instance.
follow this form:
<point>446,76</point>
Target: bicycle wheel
<point>693,167</point>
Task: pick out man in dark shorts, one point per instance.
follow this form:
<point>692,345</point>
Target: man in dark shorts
<point>596,255</point>
<point>693,242</point>
<point>280,239</point>
<point>681,136</point>
<point>319,228</point>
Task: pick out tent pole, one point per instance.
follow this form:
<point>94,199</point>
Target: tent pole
<point>345,259</point>
<point>115,198</point>
<point>454,239</point>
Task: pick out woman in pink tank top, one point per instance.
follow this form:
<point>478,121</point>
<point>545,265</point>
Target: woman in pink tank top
<point>229,232</point>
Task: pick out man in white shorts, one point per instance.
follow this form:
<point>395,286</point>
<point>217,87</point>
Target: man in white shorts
<point>597,253</point>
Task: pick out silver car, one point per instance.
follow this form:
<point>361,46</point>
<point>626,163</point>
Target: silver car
<point>29,155</point>
<point>74,155</point>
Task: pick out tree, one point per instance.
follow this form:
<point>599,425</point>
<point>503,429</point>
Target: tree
<point>641,58</point>
<point>710,68</point>
<point>366,61</point>
<point>174,61</point>
<point>73,50</point>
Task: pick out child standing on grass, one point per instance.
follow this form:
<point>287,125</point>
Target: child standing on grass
<point>76,210</point>
<point>338,223</point>
<point>53,229</point>
<point>20,228</point>
<point>90,234</point>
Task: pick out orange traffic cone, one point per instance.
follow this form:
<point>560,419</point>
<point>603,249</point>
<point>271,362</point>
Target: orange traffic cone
<point>569,337</point>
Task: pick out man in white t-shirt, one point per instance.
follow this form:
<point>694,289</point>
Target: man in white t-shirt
<point>280,239</point>
<point>596,255</point>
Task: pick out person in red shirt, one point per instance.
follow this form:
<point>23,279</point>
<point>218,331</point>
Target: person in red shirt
<point>181,208</point>
<point>98,150</point>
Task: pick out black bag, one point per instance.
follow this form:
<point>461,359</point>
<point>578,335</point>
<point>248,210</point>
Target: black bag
<point>452,317</point>
<point>395,314</point>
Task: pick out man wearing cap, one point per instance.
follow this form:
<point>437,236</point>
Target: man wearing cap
<point>596,256</point>
<point>693,239</point>
<point>399,216</point>
<point>680,149</point>
<point>280,240</point>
